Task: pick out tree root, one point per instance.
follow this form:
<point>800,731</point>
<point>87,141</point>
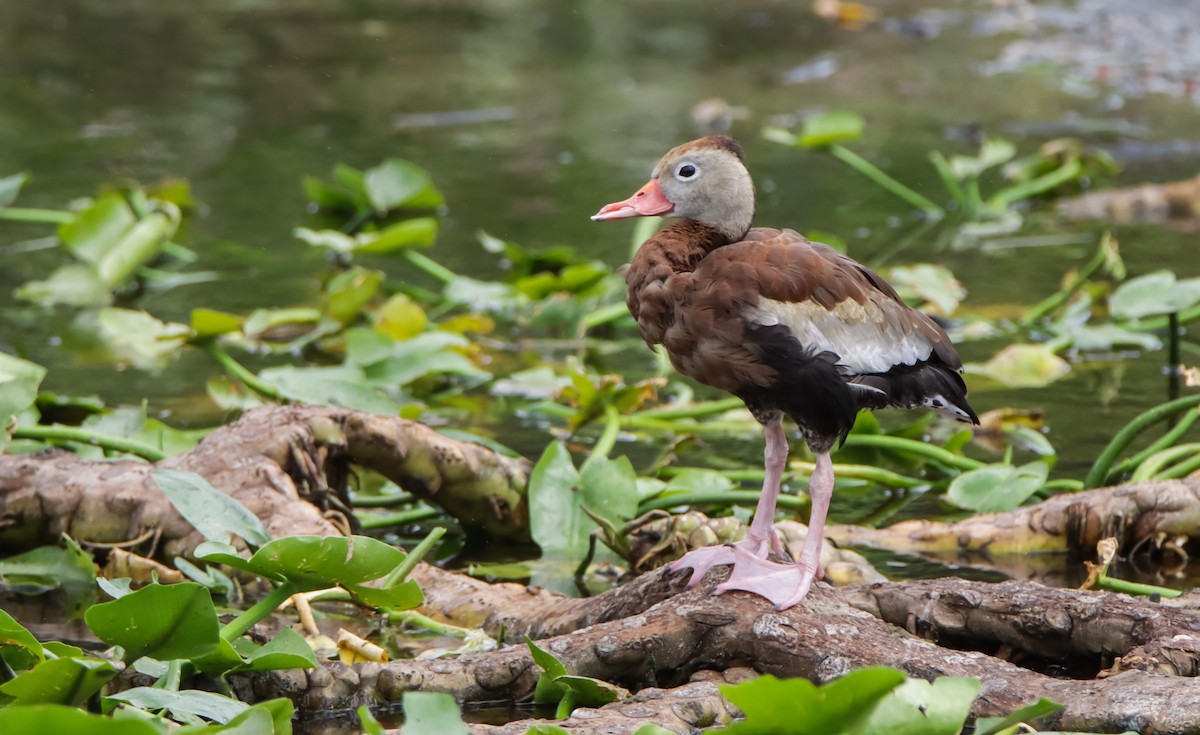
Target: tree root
<point>289,465</point>
<point>1141,516</point>
<point>820,639</point>
<point>685,709</point>
<point>1102,631</point>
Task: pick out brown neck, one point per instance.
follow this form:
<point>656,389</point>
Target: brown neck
<point>701,237</point>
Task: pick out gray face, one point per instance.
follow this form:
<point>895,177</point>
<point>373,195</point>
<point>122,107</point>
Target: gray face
<point>710,186</point>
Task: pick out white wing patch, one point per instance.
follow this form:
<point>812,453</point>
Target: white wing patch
<point>866,337</point>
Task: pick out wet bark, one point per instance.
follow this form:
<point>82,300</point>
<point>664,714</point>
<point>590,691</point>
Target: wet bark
<point>1030,541</point>
<point>289,465</point>
<point>1128,657</point>
<point>687,631</point>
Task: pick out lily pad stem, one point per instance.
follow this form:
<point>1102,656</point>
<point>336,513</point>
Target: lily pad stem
<point>1054,300</point>
<point>38,216</point>
<point>874,173</point>
<point>724,497</point>
<point>237,371</point>
<point>608,438</point>
<point>375,521</point>
<point>1102,468</point>
<point>86,436</point>
<point>234,629</point>
<point>397,575</point>
<point>910,446</point>
<point>1134,588</point>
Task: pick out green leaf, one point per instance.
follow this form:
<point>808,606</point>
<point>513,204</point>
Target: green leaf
<point>412,233</point>
<point>556,730</point>
<point>370,725</point>
<point>312,562</point>
<point>556,523</point>
<point>935,285</point>
<point>272,717</point>
<point>69,681</point>
<point>917,707</point>
<point>213,323</point>
<point>830,128</point>
<point>14,637</point>
<point>338,242</point>
<point>589,692</point>
<point>998,487</point>
<point>608,488</point>
<point>74,284</point>
<point>10,187</point>
<point>213,513</point>
<point>287,650</point>
<point>432,713</point>
<point>349,291</point>
<point>394,183</point>
<point>388,362</point>
<point>134,337</point>
<point>546,691</point>
<point>262,323</point>
<point>400,318</point>
<point>208,705</point>
<point>331,196</point>
<point>556,685</point>
<point>19,381</point>
<point>162,621</point>
<point>698,480</point>
<point>53,718</point>
<point>223,659</point>
<point>136,248</point>
<point>342,386</point>
<point>993,152</point>
<point>1030,712</point>
<point>1107,336</point>
<point>50,567</point>
<point>96,230</point>
<point>1154,293</point>
<point>797,707</point>
<point>653,730</point>
<point>1022,366</point>
<point>403,596</point>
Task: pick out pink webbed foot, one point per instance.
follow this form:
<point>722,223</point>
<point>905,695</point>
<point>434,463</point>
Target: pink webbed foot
<point>783,584</point>
<point>701,560</point>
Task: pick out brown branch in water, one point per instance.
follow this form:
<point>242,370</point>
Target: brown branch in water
<point>1136,514</point>
<point>289,465</point>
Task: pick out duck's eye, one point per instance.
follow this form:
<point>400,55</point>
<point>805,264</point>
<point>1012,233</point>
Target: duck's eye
<point>687,171</point>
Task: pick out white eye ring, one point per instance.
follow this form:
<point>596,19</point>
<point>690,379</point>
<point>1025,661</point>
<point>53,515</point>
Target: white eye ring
<point>687,171</point>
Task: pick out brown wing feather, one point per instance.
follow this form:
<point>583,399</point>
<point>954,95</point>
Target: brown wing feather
<point>789,268</point>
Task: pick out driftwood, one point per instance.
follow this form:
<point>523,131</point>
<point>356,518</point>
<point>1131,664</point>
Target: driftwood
<point>288,465</point>
<point>671,646</point>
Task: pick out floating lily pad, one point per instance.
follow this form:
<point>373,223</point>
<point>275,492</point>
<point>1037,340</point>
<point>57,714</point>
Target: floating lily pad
<point>1023,366</point>
<point>998,487</point>
<point>1154,293</point>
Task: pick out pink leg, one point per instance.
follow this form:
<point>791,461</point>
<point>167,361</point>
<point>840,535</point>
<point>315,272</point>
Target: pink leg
<point>761,538</point>
<point>787,584</point>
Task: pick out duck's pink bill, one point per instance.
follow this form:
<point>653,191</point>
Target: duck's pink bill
<point>647,201</point>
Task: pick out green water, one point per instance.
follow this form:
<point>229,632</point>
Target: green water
<point>244,97</point>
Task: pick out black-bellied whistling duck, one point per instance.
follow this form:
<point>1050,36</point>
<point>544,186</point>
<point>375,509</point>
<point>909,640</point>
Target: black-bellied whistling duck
<point>789,326</point>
